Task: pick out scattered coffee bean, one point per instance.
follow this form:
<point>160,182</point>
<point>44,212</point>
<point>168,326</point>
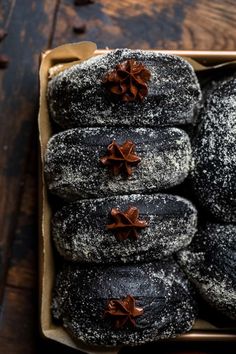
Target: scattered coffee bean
<point>83,2</point>
<point>79,28</point>
<point>4,61</point>
<point>3,34</point>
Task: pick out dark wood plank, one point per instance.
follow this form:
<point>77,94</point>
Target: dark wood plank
<point>172,24</point>
<point>22,271</point>
<point>28,24</point>
<point>18,328</point>
<point>19,331</point>
<point>18,320</point>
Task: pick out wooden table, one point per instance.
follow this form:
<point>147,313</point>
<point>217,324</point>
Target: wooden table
<point>32,27</point>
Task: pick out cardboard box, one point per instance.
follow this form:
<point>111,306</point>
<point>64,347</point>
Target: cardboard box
<point>61,58</point>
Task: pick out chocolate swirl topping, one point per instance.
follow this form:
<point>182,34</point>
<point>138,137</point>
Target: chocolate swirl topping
<point>123,311</point>
<point>128,82</point>
<point>120,158</point>
<point>126,224</point>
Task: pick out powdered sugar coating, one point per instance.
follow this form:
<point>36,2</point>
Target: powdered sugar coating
<point>77,97</point>
<point>73,169</point>
<point>161,289</point>
<point>210,262</point>
<point>214,153</point>
<point>80,234</point>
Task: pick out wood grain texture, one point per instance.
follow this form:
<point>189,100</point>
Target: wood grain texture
<point>18,101</point>
<point>18,322</point>
<point>33,26</point>
<point>172,24</point>
<point>208,25</point>
<point>17,326</point>
<point>22,271</point>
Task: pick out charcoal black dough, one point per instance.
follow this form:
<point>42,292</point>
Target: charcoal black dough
<point>161,289</point>
<point>214,153</point>
<point>77,97</point>
<point>73,169</point>
<point>210,262</point>
<point>80,234</point>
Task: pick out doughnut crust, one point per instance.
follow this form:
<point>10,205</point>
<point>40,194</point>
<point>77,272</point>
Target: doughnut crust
<point>210,263</point>
<point>81,295</point>
<point>80,233</point>
<point>73,169</point>
<point>214,153</point>
<point>77,97</point>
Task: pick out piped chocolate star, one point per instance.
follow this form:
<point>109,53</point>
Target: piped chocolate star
<point>123,311</point>
<point>120,159</point>
<point>126,224</point>
<point>128,81</point>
